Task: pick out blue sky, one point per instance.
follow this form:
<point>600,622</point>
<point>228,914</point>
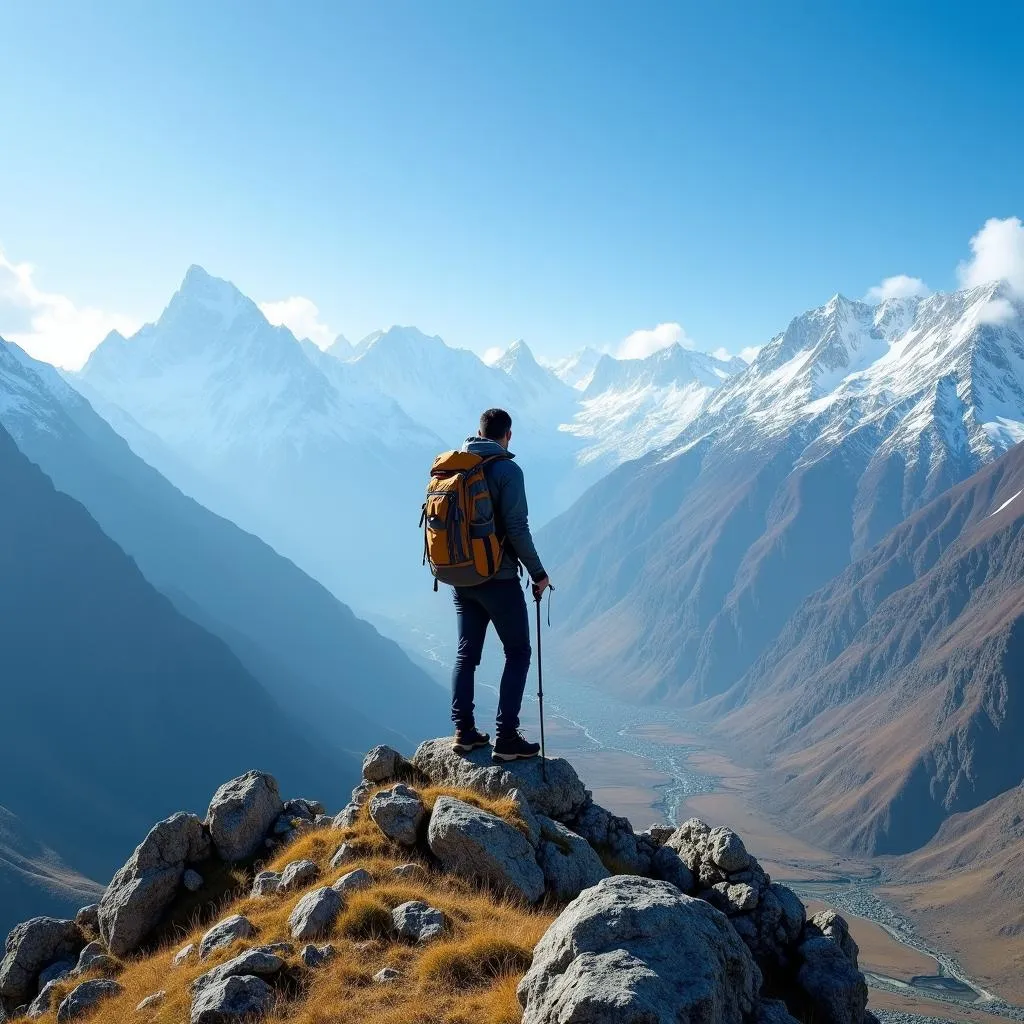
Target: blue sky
<point>564,172</point>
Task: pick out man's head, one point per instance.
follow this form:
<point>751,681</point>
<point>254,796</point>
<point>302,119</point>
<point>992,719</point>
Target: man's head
<point>496,425</point>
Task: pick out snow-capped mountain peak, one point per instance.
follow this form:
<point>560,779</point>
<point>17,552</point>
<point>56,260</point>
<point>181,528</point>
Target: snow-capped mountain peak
<point>577,369</point>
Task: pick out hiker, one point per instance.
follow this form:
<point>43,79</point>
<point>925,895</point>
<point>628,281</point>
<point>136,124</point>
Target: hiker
<point>479,550</point>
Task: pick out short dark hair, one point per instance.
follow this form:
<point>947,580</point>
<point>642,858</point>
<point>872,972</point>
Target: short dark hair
<point>495,424</point>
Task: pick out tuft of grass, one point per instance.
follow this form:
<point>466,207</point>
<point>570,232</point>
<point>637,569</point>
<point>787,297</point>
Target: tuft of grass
<point>478,960</point>
<point>367,916</point>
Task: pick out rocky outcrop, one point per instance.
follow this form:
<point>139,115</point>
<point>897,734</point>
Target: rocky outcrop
<point>353,881</point>
<point>398,812</point>
<point>224,933</point>
<point>569,863</point>
<point>30,948</point>
<point>481,846</point>
<point>314,914</point>
<point>85,998</point>
<point>417,921</point>
<point>232,1001</point>
<point>240,814</point>
<point>382,764</point>
<point>561,796</point>
<point>632,950</point>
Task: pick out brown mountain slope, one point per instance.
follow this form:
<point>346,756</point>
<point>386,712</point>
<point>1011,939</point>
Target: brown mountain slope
<point>892,698</point>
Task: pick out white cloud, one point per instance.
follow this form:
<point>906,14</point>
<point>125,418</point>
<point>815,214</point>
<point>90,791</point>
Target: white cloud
<point>493,354</point>
<point>50,326</point>
<point>998,250</point>
<point>899,286</point>
<point>997,311</point>
<point>641,344</point>
<point>301,316</point>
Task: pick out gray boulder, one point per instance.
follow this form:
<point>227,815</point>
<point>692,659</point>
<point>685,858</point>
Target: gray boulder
<point>43,1002</point>
<point>657,835</point>
<point>345,854</point>
<point>613,838</point>
<point>561,797</point>
<point>417,871</point>
<point>353,882</point>
<point>260,962</point>
<point>30,947</point>
<point>232,1000</point>
<point>526,815</point>
<point>417,921</point>
<point>151,1002</point>
<point>88,918</point>
<point>361,794</point>
<point>346,817</point>
<point>266,883</point>
<point>92,956</point>
<point>184,954</point>
<point>298,874</point>
<point>568,861</point>
<point>316,956</point>
<point>832,988</point>
<point>300,807</point>
<point>398,812</point>
<point>315,914</point>
<point>726,850</point>
<point>224,932</point>
<point>61,969</point>
<point>634,950</point>
<point>481,846</point>
<point>387,976</point>
<point>832,926</point>
<point>240,814</point>
<point>383,764</point>
<point>86,997</point>
<point>668,866</point>
<point>141,892</point>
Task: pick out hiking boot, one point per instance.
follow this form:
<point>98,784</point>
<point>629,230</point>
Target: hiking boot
<point>514,748</point>
<point>469,739</point>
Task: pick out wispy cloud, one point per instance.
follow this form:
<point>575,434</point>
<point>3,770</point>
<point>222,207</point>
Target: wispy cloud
<point>302,317</point>
<point>50,326</point>
<point>493,354</point>
<point>998,255</point>
<point>899,286</point>
<point>641,344</point>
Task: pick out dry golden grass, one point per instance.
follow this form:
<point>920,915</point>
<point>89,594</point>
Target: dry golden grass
<point>468,977</point>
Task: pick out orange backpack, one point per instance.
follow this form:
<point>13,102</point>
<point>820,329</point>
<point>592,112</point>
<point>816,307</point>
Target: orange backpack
<point>460,542</point>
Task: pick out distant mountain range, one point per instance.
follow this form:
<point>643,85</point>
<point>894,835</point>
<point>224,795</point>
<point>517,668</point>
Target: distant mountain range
<point>292,443</point>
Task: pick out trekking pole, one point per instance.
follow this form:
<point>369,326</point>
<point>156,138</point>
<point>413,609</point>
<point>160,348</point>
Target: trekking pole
<point>540,689</point>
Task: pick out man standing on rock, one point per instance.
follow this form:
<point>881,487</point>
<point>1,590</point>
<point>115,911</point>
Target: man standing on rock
<point>499,600</point>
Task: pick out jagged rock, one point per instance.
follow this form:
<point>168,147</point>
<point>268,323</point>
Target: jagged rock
<point>266,883</point>
<point>61,969</point>
<point>310,810</point>
<point>417,921</point>
<point>410,871</point>
<point>383,764</point>
<point>43,1002</point>
<point>315,914</point>
<point>259,962</point>
<point>192,880</point>
<point>773,1011</point>
<point>833,927</point>
<point>323,821</point>
<point>142,891</point>
<point>398,812</point>
<point>794,915</point>
<point>316,956</point>
<point>562,796</point>
<point>568,861</point>
<point>344,854</point>
<point>831,987</point>
<point>88,918</point>
<point>353,882</point>
<point>526,815</point>
<point>151,1002</point>
<point>232,1000</point>
<point>283,827</point>
<point>85,997</point>
<point>184,954</point>
<point>361,794</point>
<point>240,814</point>
<point>298,874</point>
<point>481,846</point>
<point>658,835</point>
<point>89,956</point>
<point>30,947</point>
<point>732,899</point>
<point>668,866</point>
<point>613,838</point>
<point>690,841</point>
<point>386,975</point>
<point>224,932</point>
<point>346,817</point>
<point>635,950</point>
<point>726,850</point>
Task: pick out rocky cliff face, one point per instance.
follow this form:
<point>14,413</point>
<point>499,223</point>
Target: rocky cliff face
<point>421,891</point>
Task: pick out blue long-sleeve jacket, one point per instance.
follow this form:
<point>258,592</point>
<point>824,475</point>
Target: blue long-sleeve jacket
<point>511,513</point>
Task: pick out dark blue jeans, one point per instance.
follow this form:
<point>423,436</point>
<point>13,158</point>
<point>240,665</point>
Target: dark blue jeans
<point>503,603</point>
